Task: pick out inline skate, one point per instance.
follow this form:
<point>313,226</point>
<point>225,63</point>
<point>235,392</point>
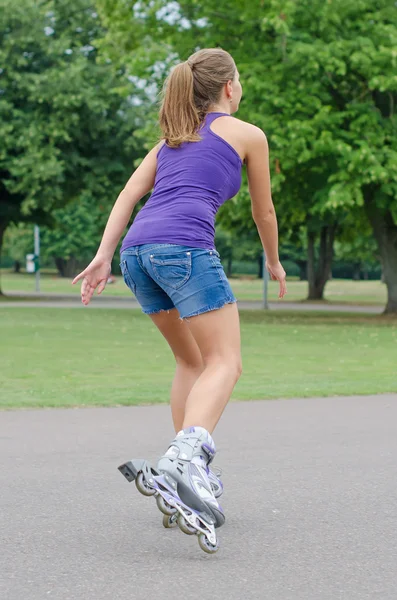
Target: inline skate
<point>181,485</point>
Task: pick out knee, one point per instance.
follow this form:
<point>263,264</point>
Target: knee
<point>229,362</point>
<point>234,367</point>
<point>195,366</point>
<point>238,368</point>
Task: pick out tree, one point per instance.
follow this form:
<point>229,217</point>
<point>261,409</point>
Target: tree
<point>18,242</point>
<point>320,80</point>
<point>75,235</point>
<point>69,243</point>
<point>356,246</point>
<point>225,246</point>
<point>65,118</point>
<point>294,248</point>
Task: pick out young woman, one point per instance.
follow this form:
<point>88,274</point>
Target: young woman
<point>169,261</point>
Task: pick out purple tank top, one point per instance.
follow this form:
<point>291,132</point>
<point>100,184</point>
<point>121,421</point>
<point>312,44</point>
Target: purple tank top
<point>191,183</point>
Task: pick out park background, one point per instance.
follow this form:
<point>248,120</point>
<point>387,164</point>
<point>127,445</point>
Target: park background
<point>79,86</point>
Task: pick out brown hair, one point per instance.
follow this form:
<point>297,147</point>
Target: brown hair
<point>190,91</point>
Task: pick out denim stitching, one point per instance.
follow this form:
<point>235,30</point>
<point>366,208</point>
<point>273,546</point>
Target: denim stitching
<point>219,271</point>
<point>127,277</point>
<point>153,248</point>
<point>187,263</point>
<point>140,263</point>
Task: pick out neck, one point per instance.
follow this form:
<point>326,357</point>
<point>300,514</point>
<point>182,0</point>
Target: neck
<point>223,107</point>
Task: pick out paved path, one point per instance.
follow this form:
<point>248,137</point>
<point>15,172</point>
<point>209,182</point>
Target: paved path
<point>310,498</point>
<point>73,301</point>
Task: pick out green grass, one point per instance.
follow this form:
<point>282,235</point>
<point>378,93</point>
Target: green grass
<point>338,291</point>
<point>71,357</point>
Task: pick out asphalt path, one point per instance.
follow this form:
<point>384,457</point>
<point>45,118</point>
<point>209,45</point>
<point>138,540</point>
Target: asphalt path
<point>310,498</point>
<point>107,301</point>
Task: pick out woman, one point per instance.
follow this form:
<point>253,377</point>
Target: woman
<point>169,261</point>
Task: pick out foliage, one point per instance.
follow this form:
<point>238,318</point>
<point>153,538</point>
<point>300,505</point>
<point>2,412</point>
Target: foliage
<point>65,120</point>
<point>18,242</point>
<point>319,78</point>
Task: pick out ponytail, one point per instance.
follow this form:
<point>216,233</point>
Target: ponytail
<point>190,91</point>
<point>179,117</point>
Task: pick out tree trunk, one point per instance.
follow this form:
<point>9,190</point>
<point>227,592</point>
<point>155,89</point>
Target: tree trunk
<point>68,267</point>
<point>385,232</point>
<point>302,264</point>
<point>318,274</point>
<point>60,265</point>
<point>356,271</point>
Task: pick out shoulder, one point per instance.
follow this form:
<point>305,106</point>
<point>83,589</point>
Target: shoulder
<point>251,132</point>
<point>246,139</point>
<point>159,147</point>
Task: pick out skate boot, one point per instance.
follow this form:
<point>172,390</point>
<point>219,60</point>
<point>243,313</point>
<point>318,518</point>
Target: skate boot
<point>181,486</point>
<point>185,467</point>
<point>214,475</point>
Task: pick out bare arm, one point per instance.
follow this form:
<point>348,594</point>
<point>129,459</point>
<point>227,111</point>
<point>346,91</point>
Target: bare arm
<point>139,184</point>
<point>263,211</point>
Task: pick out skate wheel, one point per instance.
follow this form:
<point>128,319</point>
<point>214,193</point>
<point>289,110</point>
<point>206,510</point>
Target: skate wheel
<point>206,545</point>
<point>142,486</point>
<point>185,526</point>
<point>164,507</point>
<point>169,521</point>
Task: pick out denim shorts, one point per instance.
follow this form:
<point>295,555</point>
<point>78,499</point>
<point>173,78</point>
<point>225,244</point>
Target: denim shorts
<point>166,276</point>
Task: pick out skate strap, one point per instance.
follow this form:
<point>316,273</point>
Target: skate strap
<point>209,451</point>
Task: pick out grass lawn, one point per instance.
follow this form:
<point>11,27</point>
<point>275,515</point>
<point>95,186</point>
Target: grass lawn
<point>70,357</point>
<point>339,290</point>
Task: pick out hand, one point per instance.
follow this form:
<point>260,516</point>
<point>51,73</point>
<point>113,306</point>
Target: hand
<point>94,276</point>
<point>277,273</point>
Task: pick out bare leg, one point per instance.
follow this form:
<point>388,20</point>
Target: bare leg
<point>217,334</point>
<point>189,363</point>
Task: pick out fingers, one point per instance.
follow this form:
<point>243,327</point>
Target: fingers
<point>78,277</point>
<point>101,286</point>
<point>279,275</point>
<point>283,288</point>
<point>87,291</point>
<point>87,295</point>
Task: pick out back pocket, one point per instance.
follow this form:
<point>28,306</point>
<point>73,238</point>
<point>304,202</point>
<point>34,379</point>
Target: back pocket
<point>172,270</point>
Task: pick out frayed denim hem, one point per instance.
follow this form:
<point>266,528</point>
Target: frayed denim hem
<point>156,311</point>
<point>211,307</point>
